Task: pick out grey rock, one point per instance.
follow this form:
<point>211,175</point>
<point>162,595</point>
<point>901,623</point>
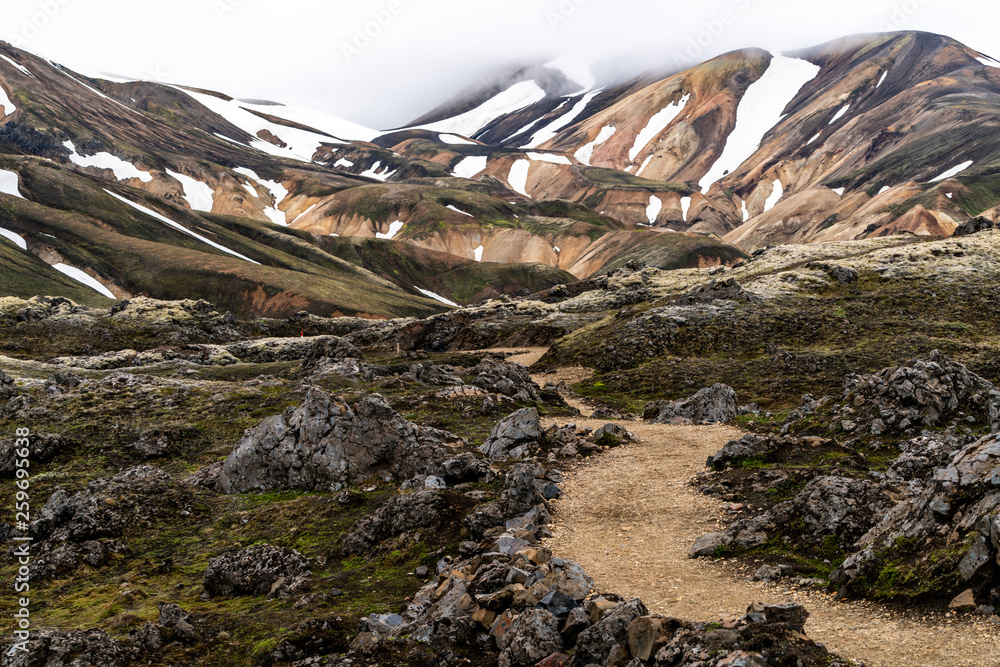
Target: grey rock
<point>252,571</point>
<point>401,514</point>
<point>712,405</point>
<point>708,545</point>
<point>534,635</point>
<point>514,430</point>
<point>325,444</point>
<point>594,644</point>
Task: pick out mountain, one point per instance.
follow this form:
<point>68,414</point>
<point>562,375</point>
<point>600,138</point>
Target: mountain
<point>535,179</point>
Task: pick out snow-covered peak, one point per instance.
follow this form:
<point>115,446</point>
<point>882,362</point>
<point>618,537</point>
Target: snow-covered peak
<point>468,124</point>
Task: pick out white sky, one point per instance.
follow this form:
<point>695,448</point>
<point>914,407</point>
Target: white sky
<point>304,52</point>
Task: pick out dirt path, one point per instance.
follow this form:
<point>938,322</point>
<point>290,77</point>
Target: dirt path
<point>629,517</point>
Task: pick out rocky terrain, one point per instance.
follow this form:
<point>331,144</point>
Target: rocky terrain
<point>215,490</point>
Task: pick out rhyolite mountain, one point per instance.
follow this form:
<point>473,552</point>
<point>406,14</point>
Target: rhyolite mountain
<point>116,188</point>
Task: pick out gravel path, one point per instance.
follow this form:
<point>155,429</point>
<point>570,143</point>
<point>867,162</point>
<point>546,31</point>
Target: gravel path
<point>628,516</point>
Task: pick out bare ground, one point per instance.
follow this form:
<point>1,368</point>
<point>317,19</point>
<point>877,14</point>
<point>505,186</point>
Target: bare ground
<point>629,517</point>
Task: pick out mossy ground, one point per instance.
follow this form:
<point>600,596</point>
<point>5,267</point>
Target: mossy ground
<point>165,559</point>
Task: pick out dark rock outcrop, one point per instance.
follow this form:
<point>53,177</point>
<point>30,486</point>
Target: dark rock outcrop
<point>326,444</point>
<point>254,571</point>
<point>712,404</point>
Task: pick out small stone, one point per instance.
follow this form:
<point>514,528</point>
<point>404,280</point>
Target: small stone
<point>963,602</point>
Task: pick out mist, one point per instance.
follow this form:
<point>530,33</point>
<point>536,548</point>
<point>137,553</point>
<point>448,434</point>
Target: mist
<point>383,63</point>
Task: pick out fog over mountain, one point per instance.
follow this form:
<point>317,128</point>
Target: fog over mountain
<point>326,55</point>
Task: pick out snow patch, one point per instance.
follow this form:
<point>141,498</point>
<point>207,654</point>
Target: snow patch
<point>102,160</point>
<point>300,144</point>
<point>82,277</point>
<point>9,183</point>
<point>198,195</point>
<point>546,157</point>
<point>515,98</point>
<point>746,213</point>
<point>340,128</point>
<point>454,139</point>
<point>16,238</point>
<point>304,213</point>
<point>479,253</point>
<point>657,124</point>
<point>343,164</point>
<point>550,130</point>
<point>393,230</point>
<point>459,211</point>
<point>470,166</point>
<point>882,78</point>
<point>518,177</point>
<point>949,195</point>
<point>840,114</point>
<point>645,164</point>
<point>885,188</point>
<point>989,62</point>
<point>277,190</point>
<point>776,194</point>
<point>586,152</point>
<point>436,297</point>
<point>839,191</point>
<point>22,68</point>
<point>954,171</point>
<point>178,227</point>
<point>815,137</point>
<point>654,208</point>
<point>376,174</point>
<point>685,207</point>
<point>760,110</point>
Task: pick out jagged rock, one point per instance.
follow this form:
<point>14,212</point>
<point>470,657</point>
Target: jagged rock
<point>792,615</point>
<point>64,559</point>
<point>717,290</point>
<point>923,392</point>
<point>41,447</point>
<point>7,387</point>
<point>751,446</point>
<point>503,377</point>
<point>521,490</point>
<point>252,571</point>
<point>109,505</point>
<point>175,624</point>
<point>325,444</point>
<point>963,602</point>
<point>595,643</point>
<point>483,518</point>
<point>534,635</point>
<point>74,648</point>
<point>399,515</point>
<point>467,468</point>
<point>616,434</point>
<point>974,226</point>
<point>712,404</point>
<point>510,437</point>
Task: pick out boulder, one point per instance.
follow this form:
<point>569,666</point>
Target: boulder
<point>595,644</point>
<point>399,515</point>
<point>513,432</point>
<point>72,648</point>
<point>534,636</point>
<point>712,404</point>
<point>252,571</point>
<point>325,444</point>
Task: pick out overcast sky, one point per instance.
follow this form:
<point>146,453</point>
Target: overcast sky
<point>418,53</point>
